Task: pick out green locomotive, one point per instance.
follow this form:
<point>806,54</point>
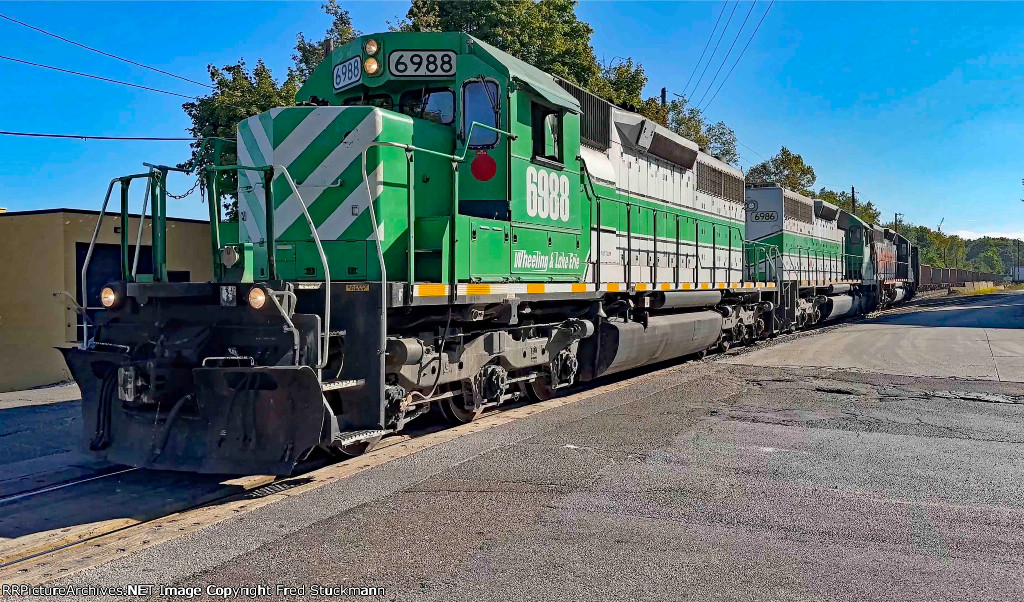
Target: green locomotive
<point>435,225</point>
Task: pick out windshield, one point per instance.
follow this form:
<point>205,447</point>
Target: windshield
<point>435,104</point>
<point>480,104</point>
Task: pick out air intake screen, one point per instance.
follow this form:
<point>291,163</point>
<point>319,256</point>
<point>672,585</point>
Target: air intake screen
<point>798,210</point>
<point>595,117</point>
<point>719,183</point>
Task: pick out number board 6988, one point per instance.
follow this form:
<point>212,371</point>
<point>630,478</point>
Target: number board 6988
<point>421,63</point>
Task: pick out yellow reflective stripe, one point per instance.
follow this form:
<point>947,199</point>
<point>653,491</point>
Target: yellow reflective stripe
<point>478,289</point>
<point>579,288</point>
<point>431,290</point>
<point>535,289</point>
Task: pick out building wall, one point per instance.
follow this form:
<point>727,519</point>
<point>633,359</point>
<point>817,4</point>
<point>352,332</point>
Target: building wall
<point>31,318</point>
<point>37,262</point>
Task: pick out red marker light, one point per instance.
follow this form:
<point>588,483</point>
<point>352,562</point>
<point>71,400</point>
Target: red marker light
<point>483,167</point>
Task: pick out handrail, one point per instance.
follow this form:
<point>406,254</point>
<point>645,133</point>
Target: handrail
<point>409,150</point>
<point>125,181</point>
<point>325,340</point>
<point>142,225</point>
<point>271,242</point>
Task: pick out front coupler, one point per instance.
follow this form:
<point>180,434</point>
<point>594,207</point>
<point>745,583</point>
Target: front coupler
<point>237,420</point>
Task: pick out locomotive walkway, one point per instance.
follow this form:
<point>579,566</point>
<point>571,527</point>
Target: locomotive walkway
<point>879,459</point>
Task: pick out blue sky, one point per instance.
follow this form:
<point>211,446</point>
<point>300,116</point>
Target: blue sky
<point>919,105</point>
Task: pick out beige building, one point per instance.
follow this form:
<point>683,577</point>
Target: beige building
<point>41,256</point>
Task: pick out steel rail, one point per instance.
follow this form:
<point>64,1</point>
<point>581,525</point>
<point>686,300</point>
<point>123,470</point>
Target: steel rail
<point>35,492</point>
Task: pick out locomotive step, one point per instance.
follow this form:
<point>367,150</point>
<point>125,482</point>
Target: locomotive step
<point>334,385</point>
<point>350,437</point>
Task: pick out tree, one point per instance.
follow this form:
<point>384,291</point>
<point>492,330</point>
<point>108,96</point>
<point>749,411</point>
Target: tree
<point>786,169</point>
<point>866,210</point>
<point>716,139</point>
<point>308,55</point>
<point>240,93</point>
<point>989,261</point>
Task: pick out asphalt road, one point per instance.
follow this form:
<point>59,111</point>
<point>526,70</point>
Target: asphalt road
<point>723,480</point>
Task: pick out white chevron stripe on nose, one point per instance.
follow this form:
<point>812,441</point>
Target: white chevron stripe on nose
<point>251,201</point>
<point>262,141</point>
<point>245,212</point>
<point>302,136</point>
<point>328,171</point>
<point>356,202</point>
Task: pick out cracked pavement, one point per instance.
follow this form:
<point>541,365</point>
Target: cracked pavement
<point>724,480</point>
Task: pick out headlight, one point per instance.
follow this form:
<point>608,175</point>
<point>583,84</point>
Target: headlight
<point>371,47</point>
<point>108,297</point>
<point>371,66</point>
<point>257,297</point>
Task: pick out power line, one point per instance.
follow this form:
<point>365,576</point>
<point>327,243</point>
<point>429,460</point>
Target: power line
<point>114,56</point>
<point>706,44</point>
<point>80,137</point>
<point>722,35</point>
<point>752,150</point>
<point>113,81</point>
<point>726,59</point>
<point>740,55</point>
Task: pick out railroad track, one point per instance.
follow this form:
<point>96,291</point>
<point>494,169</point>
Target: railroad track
<point>41,521</point>
<point>8,499</point>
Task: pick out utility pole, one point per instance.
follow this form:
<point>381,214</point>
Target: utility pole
<point>1016,267</point>
<point>853,201</point>
<point>896,222</point>
<point>664,97</point>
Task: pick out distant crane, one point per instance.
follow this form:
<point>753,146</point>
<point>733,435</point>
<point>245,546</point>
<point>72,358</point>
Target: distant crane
<point>940,224</point>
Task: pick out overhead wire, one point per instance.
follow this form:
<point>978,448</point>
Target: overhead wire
<point>740,56</point>
<point>106,79</point>
<point>711,36</point>
<point>81,137</point>
<point>715,50</point>
<point>752,150</point>
<point>97,50</point>
<point>725,60</point>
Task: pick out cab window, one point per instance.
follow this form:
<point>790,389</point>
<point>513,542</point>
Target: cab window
<point>480,103</point>
<point>547,133</point>
<point>382,101</point>
<point>435,104</point>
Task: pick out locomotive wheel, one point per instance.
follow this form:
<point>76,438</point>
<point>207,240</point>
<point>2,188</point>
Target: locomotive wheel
<point>453,410</point>
<point>539,389</point>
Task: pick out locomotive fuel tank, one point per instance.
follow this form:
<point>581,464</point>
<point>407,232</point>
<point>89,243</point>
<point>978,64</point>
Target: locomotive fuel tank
<point>621,346</point>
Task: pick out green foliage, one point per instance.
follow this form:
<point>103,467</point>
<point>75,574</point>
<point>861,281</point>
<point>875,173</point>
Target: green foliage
<point>866,210</point>
<point>689,122</point>
<point>786,169</point>
<point>240,93</point>
<point>989,261</point>
<point>308,55</point>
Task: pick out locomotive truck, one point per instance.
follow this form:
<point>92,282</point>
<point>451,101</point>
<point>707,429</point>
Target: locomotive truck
<point>439,226</point>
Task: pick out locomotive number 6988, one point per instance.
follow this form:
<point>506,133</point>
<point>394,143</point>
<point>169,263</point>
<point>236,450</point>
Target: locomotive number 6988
<point>547,194</point>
